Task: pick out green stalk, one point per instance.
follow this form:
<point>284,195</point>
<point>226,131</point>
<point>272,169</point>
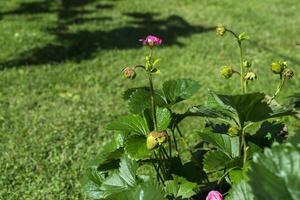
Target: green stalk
<point>164,151</point>
<point>175,141</point>
<point>243,85</point>
<point>162,164</point>
<point>279,87</point>
<point>153,106</point>
<point>159,177</point>
<point>244,147</point>
<point>170,146</point>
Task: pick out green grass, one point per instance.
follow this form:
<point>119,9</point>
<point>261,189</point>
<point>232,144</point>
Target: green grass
<point>60,81</point>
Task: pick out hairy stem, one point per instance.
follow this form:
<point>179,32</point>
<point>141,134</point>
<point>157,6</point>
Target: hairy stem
<point>244,146</point>
<point>153,105</point>
<point>279,87</point>
<point>243,85</point>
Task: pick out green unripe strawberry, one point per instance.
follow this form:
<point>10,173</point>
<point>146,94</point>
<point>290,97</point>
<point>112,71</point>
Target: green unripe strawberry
<point>226,72</point>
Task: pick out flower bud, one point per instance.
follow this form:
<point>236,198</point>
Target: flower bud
<point>129,73</point>
<point>250,76</point>
<point>220,30</point>
<point>233,131</point>
<point>156,138</point>
<point>288,73</point>
<point>226,72</point>
<point>278,67</point>
<point>214,195</point>
<point>247,64</point>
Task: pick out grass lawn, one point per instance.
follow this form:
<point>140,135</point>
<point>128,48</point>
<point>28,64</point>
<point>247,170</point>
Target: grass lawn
<point>60,80</point>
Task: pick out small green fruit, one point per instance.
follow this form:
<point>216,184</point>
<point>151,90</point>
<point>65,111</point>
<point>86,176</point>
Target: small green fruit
<point>278,67</point>
<point>226,72</point>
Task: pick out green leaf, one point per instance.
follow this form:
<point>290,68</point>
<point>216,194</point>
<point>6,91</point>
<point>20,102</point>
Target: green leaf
<point>243,36</point>
<point>151,190</point>
<point>268,133</point>
<point>275,173</point>
<point>253,149</point>
<point>108,158</point>
<point>215,107</point>
<point>130,123</point>
<point>241,191</point>
<point>113,184</point>
<point>148,190</point>
<point>239,174</point>
<point>121,180</point>
<point>295,101</point>
<point>92,190</point>
<point>127,170</point>
<point>101,187</point>
<point>229,145</point>
<point>163,117</point>
<point>136,148</point>
<point>140,100</point>
<point>238,109</point>
<point>180,187</point>
<point>294,139</point>
<point>130,91</point>
<point>217,160</point>
<point>91,187</point>
<point>180,89</point>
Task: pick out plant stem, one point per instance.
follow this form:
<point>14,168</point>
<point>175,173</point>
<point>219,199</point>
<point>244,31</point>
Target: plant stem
<point>243,85</point>
<point>170,146</point>
<point>244,145</point>
<point>153,106</point>
<point>279,87</point>
<point>159,177</point>
<point>162,164</point>
<point>175,142</point>
<point>164,151</point>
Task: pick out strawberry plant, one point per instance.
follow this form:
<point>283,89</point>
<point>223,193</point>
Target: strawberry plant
<point>145,159</point>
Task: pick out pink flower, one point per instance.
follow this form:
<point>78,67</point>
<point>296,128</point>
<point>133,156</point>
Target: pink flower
<point>214,195</point>
<point>151,41</point>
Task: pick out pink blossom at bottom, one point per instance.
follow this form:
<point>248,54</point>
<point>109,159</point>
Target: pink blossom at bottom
<point>214,195</point>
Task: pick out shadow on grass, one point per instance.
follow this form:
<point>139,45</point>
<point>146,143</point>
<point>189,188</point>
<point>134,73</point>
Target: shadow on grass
<point>84,44</point>
<point>277,54</point>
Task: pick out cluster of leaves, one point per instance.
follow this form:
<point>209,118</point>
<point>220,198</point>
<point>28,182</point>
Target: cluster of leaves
<point>144,161</point>
<point>274,174</point>
<point>115,170</point>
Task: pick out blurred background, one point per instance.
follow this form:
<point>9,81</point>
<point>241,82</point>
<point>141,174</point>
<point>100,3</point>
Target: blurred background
<point>61,81</point>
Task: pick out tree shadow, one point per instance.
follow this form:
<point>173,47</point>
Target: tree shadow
<point>38,7</point>
<point>85,44</point>
<point>279,55</point>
